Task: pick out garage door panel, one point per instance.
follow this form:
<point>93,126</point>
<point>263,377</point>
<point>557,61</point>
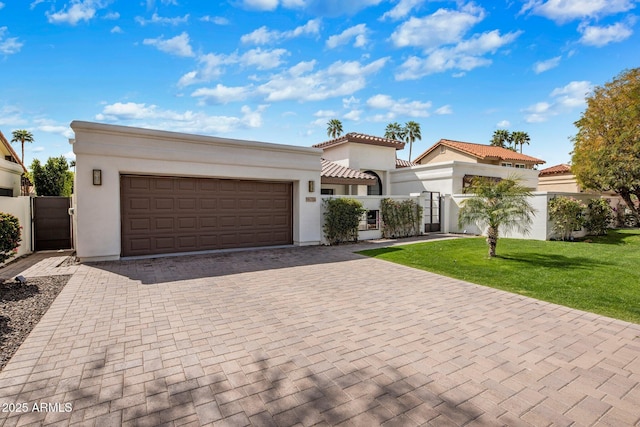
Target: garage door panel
<point>172,214</point>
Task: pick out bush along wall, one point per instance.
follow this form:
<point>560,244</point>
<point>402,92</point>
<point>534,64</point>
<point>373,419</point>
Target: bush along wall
<point>9,236</point>
<point>341,219</point>
<point>599,217</point>
<point>400,219</point>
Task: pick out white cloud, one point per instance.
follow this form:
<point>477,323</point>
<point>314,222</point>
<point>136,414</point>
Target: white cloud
<point>465,56</point>
<point>503,124</point>
<point>562,11</point>
<point>260,4</point>
<point>112,16</point>
<point>263,59</point>
<point>210,67</point>
<point>218,20</point>
<point>401,107</point>
<point>263,35</point>
<point>37,149</point>
<point>325,114</point>
<point>116,30</point>
<point>10,45</point>
<point>70,155</point>
<point>11,116</point>
<point>564,99</point>
<point>350,102</point>
<point>445,109</point>
<point>222,94</point>
<point>178,45</point>
<point>440,28</point>
<point>156,19</point>
<point>358,32</point>
<point>600,36</point>
<point>76,11</point>
<point>152,116</point>
<point>1,5</point>
<point>302,84</point>
<point>402,9</point>
<point>353,115</point>
<point>542,66</point>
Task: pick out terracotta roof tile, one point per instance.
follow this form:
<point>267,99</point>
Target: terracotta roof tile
<point>557,169</point>
<point>482,151</point>
<point>362,138</point>
<point>404,163</point>
<point>333,173</point>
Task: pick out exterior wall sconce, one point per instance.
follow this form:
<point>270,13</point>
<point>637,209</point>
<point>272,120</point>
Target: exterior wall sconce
<point>97,177</point>
<point>312,186</point>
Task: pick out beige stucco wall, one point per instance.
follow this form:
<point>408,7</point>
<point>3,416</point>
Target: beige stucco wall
<point>10,174</point>
<point>20,207</point>
<point>561,182</point>
<point>123,150</point>
<point>449,155</point>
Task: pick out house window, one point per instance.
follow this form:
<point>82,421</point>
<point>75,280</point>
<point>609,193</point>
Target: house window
<point>506,165</point>
<point>326,191</point>
<point>6,192</point>
<point>376,189</point>
<point>370,221</point>
<point>520,166</point>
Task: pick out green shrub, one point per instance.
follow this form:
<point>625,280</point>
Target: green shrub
<point>567,215</point>
<point>9,236</point>
<point>400,219</point>
<point>341,219</point>
<point>600,217</point>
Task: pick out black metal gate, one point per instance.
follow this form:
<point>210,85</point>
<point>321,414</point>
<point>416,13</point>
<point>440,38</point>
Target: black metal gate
<point>432,211</point>
<point>51,223</point>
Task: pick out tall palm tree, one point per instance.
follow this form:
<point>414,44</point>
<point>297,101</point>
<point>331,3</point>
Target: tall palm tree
<point>334,128</point>
<point>501,138</point>
<point>411,132</point>
<point>394,131</point>
<point>497,205</point>
<point>520,138</point>
<point>22,136</point>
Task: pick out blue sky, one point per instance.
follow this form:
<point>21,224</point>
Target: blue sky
<point>278,70</point>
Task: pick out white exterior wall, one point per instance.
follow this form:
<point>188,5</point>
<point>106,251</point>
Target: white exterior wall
<point>447,177</point>
<point>20,207</point>
<point>10,176</point>
<point>120,150</point>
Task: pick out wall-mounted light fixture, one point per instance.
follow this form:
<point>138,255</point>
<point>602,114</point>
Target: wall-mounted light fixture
<point>97,177</point>
<point>312,186</point>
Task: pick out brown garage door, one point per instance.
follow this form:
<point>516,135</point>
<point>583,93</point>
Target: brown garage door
<point>173,214</point>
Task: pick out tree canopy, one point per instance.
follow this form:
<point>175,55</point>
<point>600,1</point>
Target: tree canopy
<point>394,131</point>
<point>334,128</point>
<point>606,153</point>
<point>52,179</point>
<point>22,136</point>
<point>501,205</point>
<point>501,138</point>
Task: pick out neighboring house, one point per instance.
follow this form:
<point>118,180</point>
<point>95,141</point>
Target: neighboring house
<point>558,178</point>
<point>372,155</point>
<point>11,171</point>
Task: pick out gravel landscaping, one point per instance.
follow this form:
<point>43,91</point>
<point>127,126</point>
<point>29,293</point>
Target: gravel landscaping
<point>21,307</point>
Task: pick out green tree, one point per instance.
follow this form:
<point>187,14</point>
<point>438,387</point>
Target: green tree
<point>52,179</point>
<point>501,138</point>
<point>334,128</point>
<point>520,138</point>
<point>22,136</point>
<point>567,215</point>
<point>501,205</point>
<point>394,131</point>
<point>606,153</point>
<point>9,236</point>
<point>411,132</point>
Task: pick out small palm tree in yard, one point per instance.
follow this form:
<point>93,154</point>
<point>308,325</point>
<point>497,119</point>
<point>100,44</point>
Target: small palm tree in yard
<point>499,206</point>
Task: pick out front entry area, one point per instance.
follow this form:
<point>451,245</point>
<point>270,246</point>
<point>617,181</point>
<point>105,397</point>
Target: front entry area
<point>161,215</point>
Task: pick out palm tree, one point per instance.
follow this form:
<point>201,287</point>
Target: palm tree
<point>22,136</point>
<point>501,138</point>
<point>520,138</point>
<point>334,128</point>
<point>394,131</point>
<point>497,205</point>
<point>411,132</point>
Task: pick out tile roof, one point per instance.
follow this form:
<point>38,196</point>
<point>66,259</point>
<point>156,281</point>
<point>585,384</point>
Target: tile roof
<point>404,164</point>
<point>333,173</point>
<point>482,151</point>
<point>555,170</point>
<point>362,138</point>
<point>12,152</point>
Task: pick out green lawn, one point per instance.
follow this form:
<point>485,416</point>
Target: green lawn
<point>601,276</point>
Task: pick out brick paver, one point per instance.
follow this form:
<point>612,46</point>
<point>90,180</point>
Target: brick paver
<point>313,336</point>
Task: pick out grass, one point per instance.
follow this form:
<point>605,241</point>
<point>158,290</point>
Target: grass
<point>600,275</point>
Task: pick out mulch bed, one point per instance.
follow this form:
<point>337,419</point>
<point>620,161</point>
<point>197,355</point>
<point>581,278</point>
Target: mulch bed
<point>21,307</point>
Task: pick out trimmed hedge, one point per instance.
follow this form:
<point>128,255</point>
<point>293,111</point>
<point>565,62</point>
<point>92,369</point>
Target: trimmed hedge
<point>341,219</point>
<point>400,219</point>
<point>9,236</point>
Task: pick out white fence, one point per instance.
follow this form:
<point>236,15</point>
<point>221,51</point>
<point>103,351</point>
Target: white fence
<point>20,207</point>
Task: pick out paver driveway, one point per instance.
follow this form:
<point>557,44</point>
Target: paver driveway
<point>314,336</point>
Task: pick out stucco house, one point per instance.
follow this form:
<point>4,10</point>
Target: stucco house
<point>11,170</point>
